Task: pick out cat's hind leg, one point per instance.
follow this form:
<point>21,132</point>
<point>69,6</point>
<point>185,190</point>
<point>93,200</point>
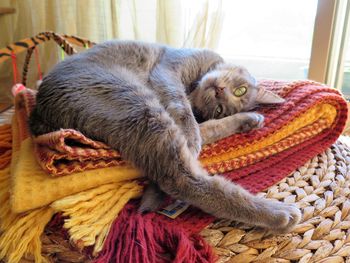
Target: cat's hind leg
<point>171,93</point>
<point>152,198</point>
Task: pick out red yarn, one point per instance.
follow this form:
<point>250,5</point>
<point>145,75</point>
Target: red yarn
<point>156,238</point>
<point>14,67</point>
<point>40,74</point>
<point>149,238</point>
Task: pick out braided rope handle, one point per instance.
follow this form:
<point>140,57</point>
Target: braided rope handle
<point>62,40</point>
<point>26,64</point>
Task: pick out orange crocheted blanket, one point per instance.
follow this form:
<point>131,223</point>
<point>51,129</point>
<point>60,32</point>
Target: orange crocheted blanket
<point>309,110</point>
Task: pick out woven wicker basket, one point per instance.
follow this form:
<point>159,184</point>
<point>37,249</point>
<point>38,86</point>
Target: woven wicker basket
<point>65,42</point>
<point>321,188</point>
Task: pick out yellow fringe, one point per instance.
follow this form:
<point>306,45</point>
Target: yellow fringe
<point>5,145</point>
<point>92,212</point>
<point>20,233</point>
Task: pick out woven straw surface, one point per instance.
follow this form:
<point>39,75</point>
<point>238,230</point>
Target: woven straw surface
<point>321,188</point>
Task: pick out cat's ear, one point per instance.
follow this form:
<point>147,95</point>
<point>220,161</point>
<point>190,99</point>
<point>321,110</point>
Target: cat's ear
<point>267,97</point>
<point>255,82</point>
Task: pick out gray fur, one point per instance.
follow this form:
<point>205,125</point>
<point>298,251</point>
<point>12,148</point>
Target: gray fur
<point>141,99</point>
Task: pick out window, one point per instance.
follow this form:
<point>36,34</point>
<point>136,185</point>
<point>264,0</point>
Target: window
<point>272,38</point>
<point>346,73</point>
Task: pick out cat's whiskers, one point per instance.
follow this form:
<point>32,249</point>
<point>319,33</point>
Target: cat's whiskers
<point>207,99</point>
<point>226,79</point>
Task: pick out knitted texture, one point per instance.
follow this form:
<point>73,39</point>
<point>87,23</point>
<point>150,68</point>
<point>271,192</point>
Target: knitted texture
<point>311,105</point>
<point>67,151</point>
<point>59,154</point>
<point>32,187</point>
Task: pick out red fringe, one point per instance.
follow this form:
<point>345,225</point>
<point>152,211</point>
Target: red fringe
<point>136,238</point>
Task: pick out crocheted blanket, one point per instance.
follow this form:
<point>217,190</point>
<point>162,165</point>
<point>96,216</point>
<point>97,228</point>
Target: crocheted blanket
<point>97,184</point>
<point>68,151</point>
<point>305,115</point>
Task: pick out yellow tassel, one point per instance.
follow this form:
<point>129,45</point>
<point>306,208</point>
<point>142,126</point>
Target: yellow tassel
<point>20,233</point>
<point>5,145</point>
<point>92,212</point>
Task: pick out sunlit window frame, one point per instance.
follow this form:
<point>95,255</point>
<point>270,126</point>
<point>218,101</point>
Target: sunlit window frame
<point>329,41</point>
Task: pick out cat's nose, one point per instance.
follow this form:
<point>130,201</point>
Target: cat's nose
<point>219,91</point>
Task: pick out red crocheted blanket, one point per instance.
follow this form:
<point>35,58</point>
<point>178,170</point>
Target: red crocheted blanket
<point>286,126</point>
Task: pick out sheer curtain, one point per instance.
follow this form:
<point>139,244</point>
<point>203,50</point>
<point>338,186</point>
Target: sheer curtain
<point>179,23</point>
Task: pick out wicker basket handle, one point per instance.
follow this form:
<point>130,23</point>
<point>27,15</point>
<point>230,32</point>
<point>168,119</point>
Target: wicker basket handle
<point>61,40</point>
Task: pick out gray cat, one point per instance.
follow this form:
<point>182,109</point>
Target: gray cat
<point>146,100</point>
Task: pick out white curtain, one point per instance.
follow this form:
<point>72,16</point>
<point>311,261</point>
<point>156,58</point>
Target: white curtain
<point>179,23</point>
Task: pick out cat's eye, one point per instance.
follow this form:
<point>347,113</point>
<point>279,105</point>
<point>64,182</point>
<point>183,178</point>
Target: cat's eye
<point>240,91</point>
<point>218,111</point>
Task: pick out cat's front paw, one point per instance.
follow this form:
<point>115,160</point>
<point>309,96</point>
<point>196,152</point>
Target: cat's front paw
<point>250,121</point>
<point>194,140</point>
<point>282,217</point>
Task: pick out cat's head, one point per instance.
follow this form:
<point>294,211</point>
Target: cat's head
<point>226,90</point>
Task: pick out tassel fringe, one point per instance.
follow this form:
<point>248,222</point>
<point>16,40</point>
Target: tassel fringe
<point>136,238</point>
<point>5,145</point>
<point>92,212</point>
<point>20,233</point>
